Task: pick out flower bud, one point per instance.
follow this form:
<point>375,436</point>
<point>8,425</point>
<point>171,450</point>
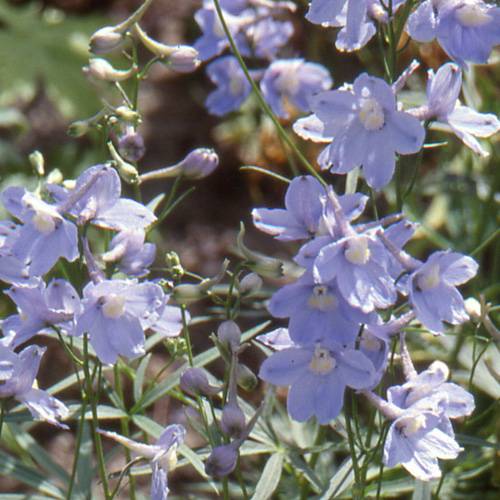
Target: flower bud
<point>127,171</point>
<point>127,114</point>
<point>184,59</point>
<point>222,461</point>
<point>473,308</point>
<point>250,284</point>
<point>194,381</point>
<point>199,163</point>
<point>105,40</point>
<point>229,333</point>
<point>233,420</point>
<point>245,378</point>
<point>131,146</point>
<point>100,69</point>
<point>78,128</point>
<point>37,162</point>
<point>55,177</point>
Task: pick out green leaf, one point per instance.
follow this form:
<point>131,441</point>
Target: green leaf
<point>139,377</point>
<point>84,471</point>
<point>103,412</point>
<point>11,467</point>
<point>200,360</point>
<point>307,472</point>
<point>270,477</point>
<point>341,480</point>
<point>41,457</point>
<point>473,441</point>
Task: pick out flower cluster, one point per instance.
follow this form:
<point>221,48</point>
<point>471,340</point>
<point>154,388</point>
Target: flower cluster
<point>353,275</point>
<point>260,33</point>
<point>113,310</point>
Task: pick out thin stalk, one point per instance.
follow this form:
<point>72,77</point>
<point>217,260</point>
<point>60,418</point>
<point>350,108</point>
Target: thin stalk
<point>78,445</point>
<point>124,427</point>
<point>263,104</point>
<point>2,416</point>
<point>357,489</point>
<point>94,421</point>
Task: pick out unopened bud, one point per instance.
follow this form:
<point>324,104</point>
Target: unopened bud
<point>78,128</point>
<point>37,162</point>
<point>194,381</point>
<point>222,461</point>
<point>127,171</point>
<point>188,293</point>
<point>473,308</point>
<point>233,420</point>
<point>106,40</point>
<point>131,146</point>
<point>199,163</point>
<point>229,333</point>
<point>100,69</point>
<point>245,378</point>
<point>184,59</point>
<point>127,114</point>
<point>250,284</point>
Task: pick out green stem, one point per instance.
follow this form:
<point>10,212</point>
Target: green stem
<point>124,424</point>
<point>357,488</point>
<point>2,416</point>
<point>490,239</point>
<point>263,103</point>
<point>94,421</point>
<point>78,445</point>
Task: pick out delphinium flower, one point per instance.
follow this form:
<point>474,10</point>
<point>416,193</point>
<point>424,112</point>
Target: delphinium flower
<point>443,106</point>
<point>232,89</point>
<point>421,408</point>
<point>44,236</point>
<point>19,382</point>
<point>318,375</point>
<point>367,128</point>
<point>12,268</point>
<point>267,36</point>
<point>129,250</point>
<point>41,307</point>
<point>96,199</point>
<point>291,82</point>
<point>356,18</point>
<point>317,312</point>
<point>466,29</point>
<point>162,455</point>
<point>432,286</point>
<point>302,217</point>
<point>115,315</point>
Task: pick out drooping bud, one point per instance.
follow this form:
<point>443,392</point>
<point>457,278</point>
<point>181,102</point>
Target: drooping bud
<point>127,114</point>
<point>229,333</point>
<point>37,162</point>
<point>100,69</point>
<point>131,146</point>
<point>106,40</point>
<point>194,381</point>
<point>222,461</point>
<point>199,163</point>
<point>250,284</point>
<point>184,59</point>
<point>233,420</point>
<point>78,128</point>
<point>180,58</point>
<point>55,177</point>
<point>126,170</point>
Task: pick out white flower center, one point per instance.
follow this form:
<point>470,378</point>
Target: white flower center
<point>429,279</point>
<point>411,425</point>
<point>43,222</point>
<point>322,363</point>
<point>357,250</point>
<point>321,299</point>
<point>288,81</point>
<point>371,114</point>
<point>472,15</point>
<point>236,85</point>
<point>114,306</point>
<point>370,342</point>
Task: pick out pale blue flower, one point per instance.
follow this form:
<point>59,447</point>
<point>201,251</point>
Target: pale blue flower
<point>292,82</point>
<point>19,382</point>
<point>367,128</point>
<point>115,315</point>
<point>318,376</point>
